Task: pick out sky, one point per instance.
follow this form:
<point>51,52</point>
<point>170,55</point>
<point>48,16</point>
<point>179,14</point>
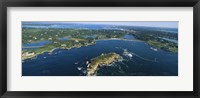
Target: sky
<point>165,24</point>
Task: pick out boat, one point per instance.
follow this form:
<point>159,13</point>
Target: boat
<point>130,55</point>
<point>79,68</point>
<point>87,62</point>
<point>126,53</point>
<point>154,49</point>
<point>76,63</point>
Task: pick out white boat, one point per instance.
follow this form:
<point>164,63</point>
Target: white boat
<point>76,63</point>
<point>154,49</point>
<point>87,62</point>
<point>130,55</point>
<point>79,68</point>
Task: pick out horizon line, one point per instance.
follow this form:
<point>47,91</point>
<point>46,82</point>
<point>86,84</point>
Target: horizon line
<point>107,23</point>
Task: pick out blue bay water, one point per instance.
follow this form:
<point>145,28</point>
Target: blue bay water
<point>39,44</point>
<point>63,39</point>
<point>35,45</point>
<point>145,61</point>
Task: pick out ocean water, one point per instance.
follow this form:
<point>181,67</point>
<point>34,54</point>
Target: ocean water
<point>144,61</point>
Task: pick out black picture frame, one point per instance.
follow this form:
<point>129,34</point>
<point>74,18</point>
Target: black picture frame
<point>100,3</point>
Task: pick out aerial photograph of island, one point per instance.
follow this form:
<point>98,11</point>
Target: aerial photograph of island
<point>99,48</point>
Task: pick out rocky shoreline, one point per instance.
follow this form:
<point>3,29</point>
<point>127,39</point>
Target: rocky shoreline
<point>29,55</point>
<point>102,60</point>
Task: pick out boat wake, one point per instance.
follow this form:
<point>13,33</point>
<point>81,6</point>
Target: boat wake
<point>131,54</point>
<point>155,60</point>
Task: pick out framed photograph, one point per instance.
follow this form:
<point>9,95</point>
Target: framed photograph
<point>131,48</point>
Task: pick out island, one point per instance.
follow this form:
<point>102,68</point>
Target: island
<point>102,60</point>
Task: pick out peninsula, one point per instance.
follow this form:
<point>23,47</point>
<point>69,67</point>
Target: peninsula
<point>57,44</point>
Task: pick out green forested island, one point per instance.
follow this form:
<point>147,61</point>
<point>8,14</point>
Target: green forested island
<point>102,60</point>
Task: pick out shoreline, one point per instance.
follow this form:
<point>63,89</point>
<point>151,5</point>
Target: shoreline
<point>101,60</point>
<point>50,51</point>
<point>120,39</point>
<point>88,44</point>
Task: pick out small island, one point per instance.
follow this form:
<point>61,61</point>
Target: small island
<point>102,60</point>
